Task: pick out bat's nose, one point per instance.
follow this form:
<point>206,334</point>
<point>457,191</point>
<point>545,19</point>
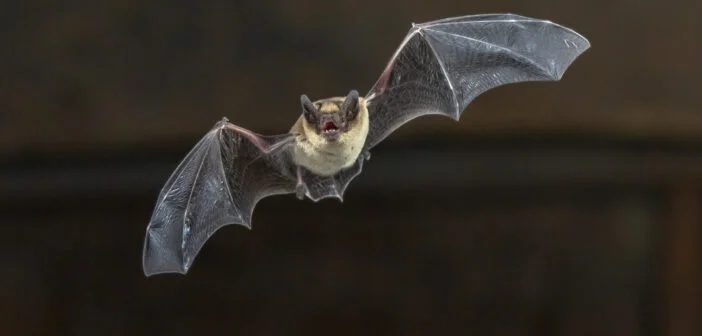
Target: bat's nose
<point>324,119</point>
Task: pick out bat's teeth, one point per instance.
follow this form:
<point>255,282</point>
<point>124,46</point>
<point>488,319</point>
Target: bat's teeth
<point>329,126</point>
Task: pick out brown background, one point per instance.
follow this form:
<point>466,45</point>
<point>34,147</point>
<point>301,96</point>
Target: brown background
<point>568,208</point>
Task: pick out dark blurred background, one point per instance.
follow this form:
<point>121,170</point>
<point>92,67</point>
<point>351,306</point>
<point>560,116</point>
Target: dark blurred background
<point>569,208</point>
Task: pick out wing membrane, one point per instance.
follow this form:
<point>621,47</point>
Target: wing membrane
<point>219,183</point>
<point>443,65</point>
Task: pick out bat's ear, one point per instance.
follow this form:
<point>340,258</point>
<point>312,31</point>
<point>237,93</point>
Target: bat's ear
<point>350,106</point>
<point>308,109</point>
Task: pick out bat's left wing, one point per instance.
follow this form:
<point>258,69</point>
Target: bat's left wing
<point>441,66</point>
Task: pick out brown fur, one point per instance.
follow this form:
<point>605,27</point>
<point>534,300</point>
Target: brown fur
<point>323,157</point>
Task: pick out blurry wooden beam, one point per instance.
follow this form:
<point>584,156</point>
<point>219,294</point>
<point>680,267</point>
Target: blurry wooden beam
<point>651,123</point>
<point>683,292</point>
<point>634,124</point>
<point>426,166</point>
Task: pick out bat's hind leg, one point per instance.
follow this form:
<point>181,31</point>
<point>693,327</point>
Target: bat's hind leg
<point>300,188</point>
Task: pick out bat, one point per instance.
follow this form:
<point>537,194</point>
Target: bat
<point>438,69</point>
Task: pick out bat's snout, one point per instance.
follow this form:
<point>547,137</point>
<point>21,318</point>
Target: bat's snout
<point>330,129</point>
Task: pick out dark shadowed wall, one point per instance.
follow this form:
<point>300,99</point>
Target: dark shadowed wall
<point>569,208</point>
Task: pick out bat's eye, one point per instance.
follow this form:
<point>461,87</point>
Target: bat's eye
<point>310,117</point>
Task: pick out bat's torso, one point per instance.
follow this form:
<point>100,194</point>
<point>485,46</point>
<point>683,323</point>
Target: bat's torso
<point>324,157</point>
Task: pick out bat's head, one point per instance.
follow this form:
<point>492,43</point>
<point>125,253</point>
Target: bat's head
<point>331,117</point>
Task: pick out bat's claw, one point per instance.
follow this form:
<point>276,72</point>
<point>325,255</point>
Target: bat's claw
<point>366,155</point>
<point>300,191</point>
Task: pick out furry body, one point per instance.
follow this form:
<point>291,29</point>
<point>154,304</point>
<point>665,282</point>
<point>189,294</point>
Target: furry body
<point>321,156</point>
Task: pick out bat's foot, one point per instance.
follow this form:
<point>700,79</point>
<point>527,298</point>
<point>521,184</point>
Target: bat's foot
<point>300,191</point>
<point>300,188</point>
<point>366,155</point>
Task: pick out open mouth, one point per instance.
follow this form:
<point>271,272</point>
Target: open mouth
<point>330,128</point>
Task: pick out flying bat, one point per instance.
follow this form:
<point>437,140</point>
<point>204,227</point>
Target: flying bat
<point>439,68</point>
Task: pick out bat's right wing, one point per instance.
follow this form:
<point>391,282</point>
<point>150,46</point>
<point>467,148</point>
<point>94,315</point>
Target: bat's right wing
<point>218,183</point>
<point>441,66</point>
